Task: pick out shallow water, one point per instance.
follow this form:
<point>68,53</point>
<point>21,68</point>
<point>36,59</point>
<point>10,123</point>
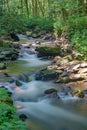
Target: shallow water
<point>45,112</point>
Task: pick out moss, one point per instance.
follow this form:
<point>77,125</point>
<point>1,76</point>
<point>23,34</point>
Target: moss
<point>79,94</point>
<point>48,51</point>
<point>46,75</point>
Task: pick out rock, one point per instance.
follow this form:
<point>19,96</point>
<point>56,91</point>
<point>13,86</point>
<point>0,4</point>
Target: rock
<point>14,36</point>
<point>82,70</point>
<point>6,75</point>
<point>2,57</point>
<point>18,83</point>
<point>9,55</point>
<point>46,75</point>
<point>51,93</point>
<point>52,67</point>
<point>51,90</point>
<point>59,71</point>
<point>84,64</point>
<point>63,80</point>
<point>76,67</point>
<point>79,94</point>
<point>65,73</point>
<point>48,51</point>
<point>56,58</point>
<point>85,92</point>
<point>62,61</point>
<point>34,35</point>
<point>66,90</point>
<point>2,66</point>
<point>29,33</point>
<point>47,37</point>
<point>14,56</point>
<point>23,117</point>
<point>24,78</point>
<point>19,106</point>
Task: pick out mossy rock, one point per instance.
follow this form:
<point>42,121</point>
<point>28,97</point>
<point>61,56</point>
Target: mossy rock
<point>65,79</point>
<point>50,91</point>
<point>2,66</point>
<point>48,51</point>
<point>46,75</point>
<point>79,94</point>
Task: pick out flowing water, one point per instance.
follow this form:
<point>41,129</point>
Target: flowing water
<point>44,112</point>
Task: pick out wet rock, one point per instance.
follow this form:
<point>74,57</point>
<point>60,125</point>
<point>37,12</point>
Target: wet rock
<point>85,92</point>
<point>23,117</point>
<point>14,36</point>
<point>2,66</point>
<point>6,75</point>
<point>46,75</point>
<point>24,78</point>
<point>14,56</point>
<point>66,90</point>
<point>79,94</point>
<point>9,54</point>
<point>65,79</point>
<point>2,57</point>
<point>18,83</point>
<point>49,91</point>
<point>48,51</point>
<point>64,74</point>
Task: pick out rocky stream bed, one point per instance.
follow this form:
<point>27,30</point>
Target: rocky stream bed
<point>48,83</point>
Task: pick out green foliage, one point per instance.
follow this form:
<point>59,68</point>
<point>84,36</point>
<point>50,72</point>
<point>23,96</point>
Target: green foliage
<point>42,23</point>
<point>77,32</point>
<point>8,117</point>
<point>11,22</point>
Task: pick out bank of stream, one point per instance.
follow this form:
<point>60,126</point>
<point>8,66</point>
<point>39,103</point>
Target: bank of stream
<point>43,111</point>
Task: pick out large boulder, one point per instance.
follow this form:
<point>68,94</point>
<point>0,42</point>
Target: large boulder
<point>45,51</point>
<point>46,75</point>
<point>50,91</point>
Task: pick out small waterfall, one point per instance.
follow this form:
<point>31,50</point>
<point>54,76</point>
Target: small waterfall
<point>44,112</point>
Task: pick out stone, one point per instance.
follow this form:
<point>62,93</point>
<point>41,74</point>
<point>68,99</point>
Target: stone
<point>18,83</point>
<point>51,90</point>
<point>2,66</point>
<point>14,36</point>
<point>79,94</point>
<point>65,73</point>
<point>2,57</point>
<point>48,51</point>
<point>65,79</point>
<point>46,75</point>
<point>23,117</point>
<point>51,93</point>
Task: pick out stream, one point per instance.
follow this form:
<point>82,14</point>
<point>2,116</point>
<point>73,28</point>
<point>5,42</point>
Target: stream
<point>43,112</point>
